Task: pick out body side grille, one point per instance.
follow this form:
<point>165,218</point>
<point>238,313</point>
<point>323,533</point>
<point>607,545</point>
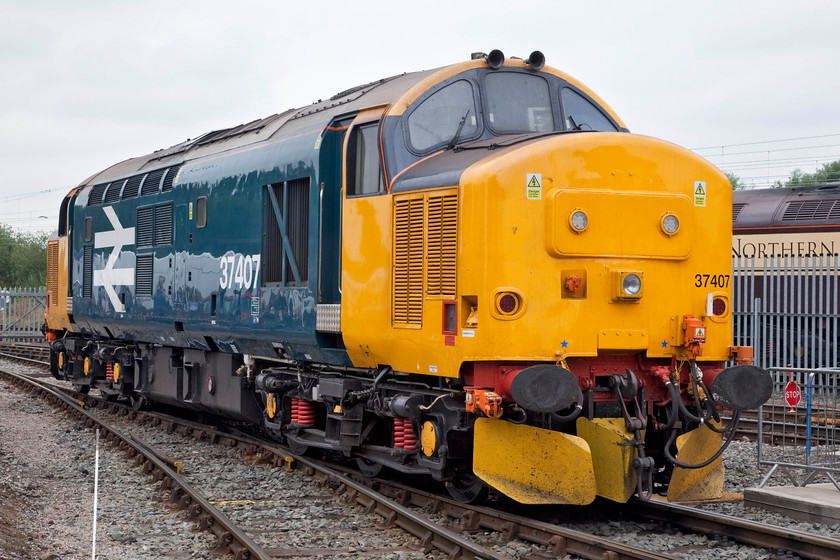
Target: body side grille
<point>442,226</point>
<point>408,261</point>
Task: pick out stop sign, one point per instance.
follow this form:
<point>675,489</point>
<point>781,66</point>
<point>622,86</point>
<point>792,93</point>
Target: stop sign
<point>792,394</point>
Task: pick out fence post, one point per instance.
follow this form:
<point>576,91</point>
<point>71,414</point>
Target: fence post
<point>758,352</point>
<point>809,391</point>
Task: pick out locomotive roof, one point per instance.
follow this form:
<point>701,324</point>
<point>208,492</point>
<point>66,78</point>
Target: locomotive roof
<point>396,92</point>
<point>815,205</point>
<point>317,114</point>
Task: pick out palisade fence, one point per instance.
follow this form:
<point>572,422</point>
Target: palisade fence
<point>22,314</point>
<point>788,310</point>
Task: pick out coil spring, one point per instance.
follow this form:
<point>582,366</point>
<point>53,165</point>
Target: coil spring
<point>303,412</point>
<point>109,371</point>
<point>404,435</point>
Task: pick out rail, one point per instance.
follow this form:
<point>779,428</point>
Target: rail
<point>231,538</point>
<point>804,544</point>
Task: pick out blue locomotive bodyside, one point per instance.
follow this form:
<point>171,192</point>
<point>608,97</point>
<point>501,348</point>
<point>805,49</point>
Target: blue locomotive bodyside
<point>183,263</point>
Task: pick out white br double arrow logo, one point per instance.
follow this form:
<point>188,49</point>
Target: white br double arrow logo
<point>109,276</point>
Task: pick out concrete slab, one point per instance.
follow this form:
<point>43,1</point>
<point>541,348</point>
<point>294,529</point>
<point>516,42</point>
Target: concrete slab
<point>816,503</point>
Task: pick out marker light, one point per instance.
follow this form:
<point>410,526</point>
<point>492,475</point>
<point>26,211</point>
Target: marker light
<point>508,304</point>
<point>578,220</point>
<point>669,223</point>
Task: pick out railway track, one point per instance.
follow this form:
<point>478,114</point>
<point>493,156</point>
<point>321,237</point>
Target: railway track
<point>488,528</point>
<point>233,535</point>
<point>27,352</point>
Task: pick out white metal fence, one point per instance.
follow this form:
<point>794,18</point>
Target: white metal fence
<point>798,433</point>
<point>788,309</point>
<point>22,314</point>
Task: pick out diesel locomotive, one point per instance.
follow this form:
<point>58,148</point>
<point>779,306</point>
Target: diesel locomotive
<point>474,273</point>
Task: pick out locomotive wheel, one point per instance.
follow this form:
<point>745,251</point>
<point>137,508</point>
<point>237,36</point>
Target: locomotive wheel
<point>109,397</point>
<point>297,448</point>
<point>139,402</point>
<point>83,389</point>
<point>369,468</point>
<point>467,488</point>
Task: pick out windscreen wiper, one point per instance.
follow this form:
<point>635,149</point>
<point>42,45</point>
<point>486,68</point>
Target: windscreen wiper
<point>458,132</point>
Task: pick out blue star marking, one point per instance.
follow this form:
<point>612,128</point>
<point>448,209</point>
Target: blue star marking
<point>664,343</point>
<point>564,344</point>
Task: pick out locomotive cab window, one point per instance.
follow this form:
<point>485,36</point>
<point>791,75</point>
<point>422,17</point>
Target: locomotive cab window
<point>64,217</point>
<point>438,120</point>
<point>583,115</point>
<point>364,166</point>
<point>518,102</point>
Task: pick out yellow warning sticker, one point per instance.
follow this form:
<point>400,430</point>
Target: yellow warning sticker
<point>699,193</point>
<point>533,186</point>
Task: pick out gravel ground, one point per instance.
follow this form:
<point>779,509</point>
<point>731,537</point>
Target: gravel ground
<point>47,483</point>
<point>47,478</point>
<point>46,502</point>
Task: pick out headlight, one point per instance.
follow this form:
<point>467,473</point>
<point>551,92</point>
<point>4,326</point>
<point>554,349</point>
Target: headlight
<point>631,284</point>
<point>627,285</point>
<point>670,224</point>
<point>578,220</point>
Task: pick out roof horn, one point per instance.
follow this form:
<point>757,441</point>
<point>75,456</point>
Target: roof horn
<point>536,60</point>
<point>495,59</point>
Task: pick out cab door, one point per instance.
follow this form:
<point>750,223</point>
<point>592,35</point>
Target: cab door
<point>328,307</point>
<point>366,239</point>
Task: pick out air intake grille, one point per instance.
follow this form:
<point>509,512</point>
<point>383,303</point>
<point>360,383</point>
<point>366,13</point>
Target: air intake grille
<point>132,188</point>
<point>113,193</point>
<point>144,273</point>
<point>145,227</point>
<point>736,210</point>
<point>163,224</point>
<point>170,177</point>
<point>152,183</point>
<point>408,261</point>
<point>154,226</point>
<point>812,210</point>
<point>96,194</point>
<point>442,224</point>
<point>52,271</point>
<point>293,203</point>
<point>87,266</point>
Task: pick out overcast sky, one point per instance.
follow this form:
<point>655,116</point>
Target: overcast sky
<point>87,84</point>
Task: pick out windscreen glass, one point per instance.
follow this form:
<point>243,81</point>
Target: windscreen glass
<point>436,121</point>
<point>583,115</point>
<point>518,102</point>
